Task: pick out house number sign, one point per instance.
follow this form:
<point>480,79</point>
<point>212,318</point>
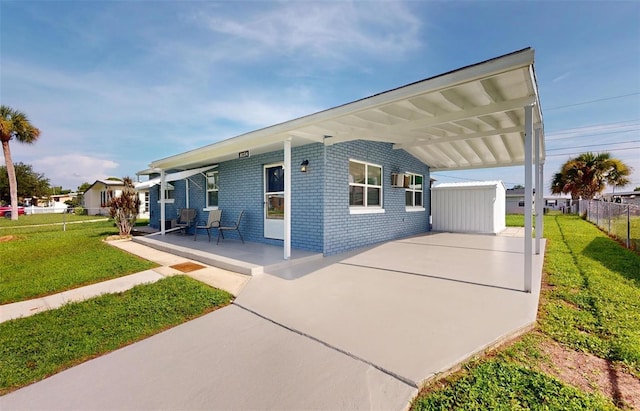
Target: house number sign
<point>243,154</point>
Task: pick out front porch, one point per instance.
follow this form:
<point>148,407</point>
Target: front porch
<point>249,258</point>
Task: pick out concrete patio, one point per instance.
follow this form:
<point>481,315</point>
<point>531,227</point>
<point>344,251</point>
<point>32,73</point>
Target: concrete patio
<point>424,303</point>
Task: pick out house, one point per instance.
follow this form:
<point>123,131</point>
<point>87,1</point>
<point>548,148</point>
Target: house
<point>515,200</point>
<point>354,175</point>
<point>143,194</point>
<point>97,196</point>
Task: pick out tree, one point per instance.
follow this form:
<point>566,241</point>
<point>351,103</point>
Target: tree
<point>588,174</point>
<point>83,187</point>
<point>125,207</point>
<point>29,183</point>
<point>14,125</point>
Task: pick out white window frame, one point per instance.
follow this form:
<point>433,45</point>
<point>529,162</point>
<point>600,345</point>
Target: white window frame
<point>413,191</point>
<point>365,208</point>
<point>168,195</point>
<point>206,182</point>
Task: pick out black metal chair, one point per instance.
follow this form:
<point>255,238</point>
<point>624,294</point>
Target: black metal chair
<point>233,227</point>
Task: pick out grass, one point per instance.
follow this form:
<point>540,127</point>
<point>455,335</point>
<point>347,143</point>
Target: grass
<point>514,220</point>
<point>35,347</point>
<point>592,305</point>
<point>49,218</point>
<point>499,384</point>
<point>45,260</point>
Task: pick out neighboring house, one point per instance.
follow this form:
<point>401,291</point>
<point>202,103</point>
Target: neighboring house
<point>59,200</point>
<point>143,194</point>
<point>623,197</point>
<point>515,200</point>
<point>97,196</point>
<point>357,174</point>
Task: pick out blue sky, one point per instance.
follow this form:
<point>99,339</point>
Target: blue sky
<point>115,85</point>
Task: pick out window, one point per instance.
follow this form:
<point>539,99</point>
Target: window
<point>520,203</point>
<point>365,185</point>
<point>146,202</point>
<point>168,193</point>
<point>212,189</point>
<point>105,197</point>
<point>413,194</point>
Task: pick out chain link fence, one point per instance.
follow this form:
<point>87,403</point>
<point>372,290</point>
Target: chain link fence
<point>620,221</point>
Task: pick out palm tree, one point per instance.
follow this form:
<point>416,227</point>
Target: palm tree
<point>14,124</point>
<point>588,174</point>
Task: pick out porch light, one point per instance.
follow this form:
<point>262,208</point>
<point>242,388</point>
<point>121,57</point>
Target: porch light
<point>304,166</point>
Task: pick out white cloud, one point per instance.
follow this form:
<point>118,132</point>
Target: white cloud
<point>320,29</point>
<point>71,170</point>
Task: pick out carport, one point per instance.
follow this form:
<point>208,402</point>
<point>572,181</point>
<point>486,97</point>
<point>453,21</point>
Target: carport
<point>480,116</point>
<point>413,308</point>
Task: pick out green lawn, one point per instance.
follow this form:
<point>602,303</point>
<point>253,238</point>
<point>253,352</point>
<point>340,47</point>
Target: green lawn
<point>592,305</point>
<point>514,220</point>
<point>45,260</point>
<point>49,218</point>
<point>35,347</point>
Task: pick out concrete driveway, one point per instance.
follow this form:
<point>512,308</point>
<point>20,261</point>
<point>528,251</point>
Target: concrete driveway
<point>414,307</point>
<point>229,359</point>
<point>358,331</point>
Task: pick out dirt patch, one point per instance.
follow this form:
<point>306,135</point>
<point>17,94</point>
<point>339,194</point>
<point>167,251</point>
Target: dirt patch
<point>187,267</point>
<point>591,374</point>
<point>7,238</point>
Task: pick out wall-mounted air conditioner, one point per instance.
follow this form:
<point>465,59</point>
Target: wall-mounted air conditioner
<point>399,180</point>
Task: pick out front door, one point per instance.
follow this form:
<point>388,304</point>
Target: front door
<point>274,201</point>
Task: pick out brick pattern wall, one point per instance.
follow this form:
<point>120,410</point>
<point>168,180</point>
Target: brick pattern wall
<point>320,219</point>
<point>344,231</point>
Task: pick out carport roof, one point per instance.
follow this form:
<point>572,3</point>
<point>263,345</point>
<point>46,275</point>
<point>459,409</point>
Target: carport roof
<point>472,117</point>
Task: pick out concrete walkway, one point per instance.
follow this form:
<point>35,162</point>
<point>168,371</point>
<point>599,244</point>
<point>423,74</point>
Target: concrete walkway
<point>215,277</point>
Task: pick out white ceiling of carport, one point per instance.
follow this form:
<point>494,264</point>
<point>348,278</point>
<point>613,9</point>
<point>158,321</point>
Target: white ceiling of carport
<point>469,118</point>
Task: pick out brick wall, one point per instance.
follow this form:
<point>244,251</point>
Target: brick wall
<point>320,219</point>
<point>344,231</point>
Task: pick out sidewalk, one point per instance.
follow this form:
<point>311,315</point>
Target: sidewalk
<point>169,265</point>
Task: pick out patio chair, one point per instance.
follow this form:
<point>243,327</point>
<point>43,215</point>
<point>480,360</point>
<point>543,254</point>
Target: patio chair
<point>233,227</point>
<point>212,222</point>
<point>185,219</point>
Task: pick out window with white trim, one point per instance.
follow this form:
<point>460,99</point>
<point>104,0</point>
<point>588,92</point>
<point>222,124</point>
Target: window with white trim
<point>212,189</point>
<point>365,185</point>
<point>168,193</point>
<point>413,194</point>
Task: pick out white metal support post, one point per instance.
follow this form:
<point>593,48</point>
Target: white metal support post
<point>528,195</point>
<point>287,198</point>
<point>539,199</point>
<point>163,189</point>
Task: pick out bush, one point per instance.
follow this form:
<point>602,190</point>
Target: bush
<point>79,211</point>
